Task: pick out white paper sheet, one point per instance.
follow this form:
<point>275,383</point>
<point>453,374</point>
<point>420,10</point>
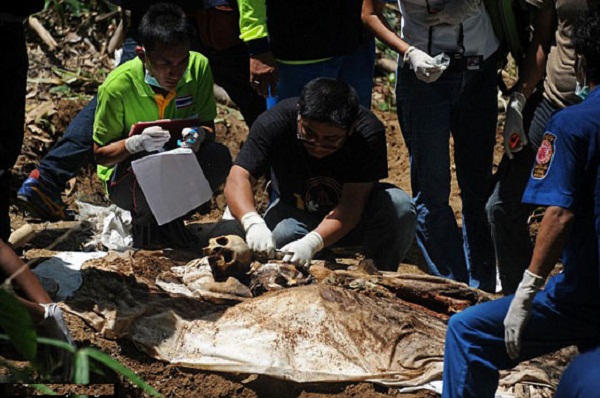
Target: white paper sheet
<point>173,183</point>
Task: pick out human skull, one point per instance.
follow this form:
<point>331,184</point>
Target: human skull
<point>229,255</point>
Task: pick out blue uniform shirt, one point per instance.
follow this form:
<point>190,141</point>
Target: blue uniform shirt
<point>566,174</point>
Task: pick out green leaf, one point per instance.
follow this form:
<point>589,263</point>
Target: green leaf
<point>17,324</point>
<point>44,389</point>
<point>82,368</point>
<point>60,89</point>
<point>121,369</point>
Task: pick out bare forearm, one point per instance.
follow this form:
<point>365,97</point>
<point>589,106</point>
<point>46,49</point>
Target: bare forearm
<point>238,192</point>
<point>337,224</point>
<point>26,280</point>
<point>551,240</point>
<point>111,154</point>
<point>534,64</point>
<point>373,18</point>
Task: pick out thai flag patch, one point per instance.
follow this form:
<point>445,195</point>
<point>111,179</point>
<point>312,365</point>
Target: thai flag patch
<point>183,102</point>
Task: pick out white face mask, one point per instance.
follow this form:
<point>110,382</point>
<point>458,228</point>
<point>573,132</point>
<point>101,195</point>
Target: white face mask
<point>151,80</point>
<point>582,90</point>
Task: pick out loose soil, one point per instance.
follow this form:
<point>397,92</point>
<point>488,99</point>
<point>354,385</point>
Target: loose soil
<point>61,82</point>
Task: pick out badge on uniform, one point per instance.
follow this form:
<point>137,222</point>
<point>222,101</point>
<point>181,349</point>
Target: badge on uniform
<point>183,102</point>
<point>543,159</point>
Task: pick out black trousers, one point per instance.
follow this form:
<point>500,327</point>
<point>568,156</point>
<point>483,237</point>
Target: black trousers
<point>13,86</point>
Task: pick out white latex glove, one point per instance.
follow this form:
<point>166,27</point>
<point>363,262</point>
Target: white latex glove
<point>453,13</point>
<point>302,250</point>
<point>258,236</point>
<point>519,312</point>
<point>152,139</point>
<point>192,137</point>
<point>423,65</point>
<point>513,134</point>
<point>54,327</point>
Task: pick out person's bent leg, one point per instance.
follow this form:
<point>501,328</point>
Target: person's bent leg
<point>474,344</point>
<point>581,378</point>
<point>507,216</point>
<point>475,348</point>
<point>125,192</point>
<point>388,226</point>
<point>215,161</point>
<point>289,223</point>
<point>13,68</point>
<point>5,185</point>
<point>73,151</point>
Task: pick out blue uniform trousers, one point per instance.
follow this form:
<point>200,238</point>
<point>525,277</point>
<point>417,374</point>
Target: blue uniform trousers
<point>582,378</point>
<point>475,350</point>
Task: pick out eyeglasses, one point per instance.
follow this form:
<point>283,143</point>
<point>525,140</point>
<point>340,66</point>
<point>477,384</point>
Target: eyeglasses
<point>309,137</point>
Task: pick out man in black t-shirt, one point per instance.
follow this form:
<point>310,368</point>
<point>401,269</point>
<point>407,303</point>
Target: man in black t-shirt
<point>325,155</point>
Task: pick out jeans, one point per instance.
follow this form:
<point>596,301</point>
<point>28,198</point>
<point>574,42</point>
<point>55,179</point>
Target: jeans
<point>385,230</point>
<point>75,149</point>
<point>13,86</point>
<point>356,69</point>
<point>464,104</point>
<point>580,379</point>
<point>475,350</point>
<point>505,211</point>
<point>125,192</point>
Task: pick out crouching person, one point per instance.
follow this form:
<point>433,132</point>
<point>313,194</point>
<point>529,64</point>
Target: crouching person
<point>325,156</point>
<point>165,81</point>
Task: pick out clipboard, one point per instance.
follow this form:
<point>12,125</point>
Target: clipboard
<point>173,126</point>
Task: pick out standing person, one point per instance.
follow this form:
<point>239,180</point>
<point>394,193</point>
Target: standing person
<point>325,156</point>
<point>13,88</point>
<point>293,42</point>
<point>505,211</point>
<point>499,334</point>
<point>165,81</point>
<point>435,100</point>
<point>40,193</point>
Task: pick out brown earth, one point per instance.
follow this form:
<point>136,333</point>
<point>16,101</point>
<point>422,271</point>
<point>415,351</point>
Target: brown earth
<point>61,82</point>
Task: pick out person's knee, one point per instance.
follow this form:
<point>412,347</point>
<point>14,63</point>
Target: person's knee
<point>494,210</point>
<point>288,230</point>
<point>215,160</point>
<point>396,207</point>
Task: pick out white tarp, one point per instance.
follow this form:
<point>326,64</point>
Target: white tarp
<point>313,333</point>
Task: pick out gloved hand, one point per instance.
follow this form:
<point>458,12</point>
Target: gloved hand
<point>192,137</point>
<point>152,139</point>
<point>423,65</point>
<point>258,236</point>
<point>519,312</point>
<point>513,134</point>
<point>54,327</point>
<point>303,249</point>
<point>453,13</point>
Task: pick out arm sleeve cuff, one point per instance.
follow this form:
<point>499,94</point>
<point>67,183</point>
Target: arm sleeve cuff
<point>258,46</point>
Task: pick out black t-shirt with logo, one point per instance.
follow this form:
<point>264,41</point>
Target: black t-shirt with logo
<point>308,183</point>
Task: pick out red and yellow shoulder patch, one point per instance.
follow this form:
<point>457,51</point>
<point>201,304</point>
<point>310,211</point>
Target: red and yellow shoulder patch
<point>543,159</point>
